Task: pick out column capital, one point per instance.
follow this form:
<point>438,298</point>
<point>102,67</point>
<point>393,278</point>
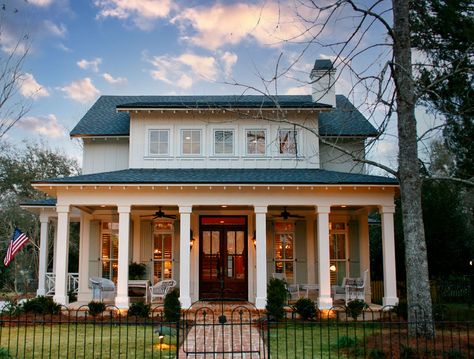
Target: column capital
<point>260,209</point>
<point>386,209</point>
<point>62,208</point>
<point>323,209</point>
<point>124,208</point>
<point>44,218</point>
<point>185,209</point>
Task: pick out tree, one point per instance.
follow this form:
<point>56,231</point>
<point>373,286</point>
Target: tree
<point>18,167</point>
<point>443,32</point>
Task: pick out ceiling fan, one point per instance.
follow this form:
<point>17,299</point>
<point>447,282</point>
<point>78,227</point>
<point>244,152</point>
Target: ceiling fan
<point>285,214</point>
<point>160,214</point>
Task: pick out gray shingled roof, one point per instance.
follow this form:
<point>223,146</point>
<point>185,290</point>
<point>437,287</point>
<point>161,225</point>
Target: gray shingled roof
<point>222,176</point>
<point>345,120</point>
<point>102,119</point>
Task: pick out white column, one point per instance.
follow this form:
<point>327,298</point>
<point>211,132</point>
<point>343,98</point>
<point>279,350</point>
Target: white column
<point>261,256</point>
<point>364,251</point>
<point>136,239</point>
<point>84,293</point>
<point>184,256</point>
<point>324,299</point>
<point>388,250</point>
<point>311,264</point>
<point>55,243</point>
<point>122,300</point>
<point>43,254</point>
<point>62,252</point>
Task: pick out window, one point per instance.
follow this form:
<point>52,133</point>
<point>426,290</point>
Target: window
<point>287,142</point>
<point>191,142</point>
<point>284,246</point>
<point>256,142</point>
<point>158,142</point>
<point>224,142</point>
<point>162,250</point>
<point>337,251</point>
<point>109,252</point>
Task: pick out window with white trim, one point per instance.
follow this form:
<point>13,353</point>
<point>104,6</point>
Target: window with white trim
<point>223,142</point>
<point>256,142</point>
<point>109,250</point>
<point>158,142</point>
<point>338,233</point>
<point>284,249</point>
<point>191,142</point>
<point>162,250</point>
<point>287,140</point>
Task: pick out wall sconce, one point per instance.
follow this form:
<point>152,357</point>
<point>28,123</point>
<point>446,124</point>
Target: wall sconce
<point>254,239</point>
<point>332,268</point>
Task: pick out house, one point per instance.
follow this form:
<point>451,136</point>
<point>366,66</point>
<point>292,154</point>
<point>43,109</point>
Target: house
<point>219,193</point>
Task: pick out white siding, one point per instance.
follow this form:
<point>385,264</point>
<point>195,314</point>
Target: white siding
<point>334,160</point>
<point>103,155</point>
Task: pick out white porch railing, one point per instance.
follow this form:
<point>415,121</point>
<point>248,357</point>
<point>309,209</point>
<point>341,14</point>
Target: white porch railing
<point>72,283</point>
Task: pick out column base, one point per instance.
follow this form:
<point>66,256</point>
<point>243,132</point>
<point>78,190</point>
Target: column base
<point>260,302</point>
<point>40,292</point>
<point>185,302</point>
<point>122,302</point>
<point>389,301</point>
<point>61,299</point>
<point>324,302</point>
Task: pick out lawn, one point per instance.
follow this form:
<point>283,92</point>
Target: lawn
<point>85,341</point>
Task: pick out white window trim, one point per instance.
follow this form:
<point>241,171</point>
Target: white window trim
<point>298,140</point>
<point>148,143</point>
<point>153,260</point>
<point>255,155</point>
<point>181,139</point>
<point>224,155</point>
<point>275,232</point>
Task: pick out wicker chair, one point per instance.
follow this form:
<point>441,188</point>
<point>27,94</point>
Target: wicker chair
<point>160,289</point>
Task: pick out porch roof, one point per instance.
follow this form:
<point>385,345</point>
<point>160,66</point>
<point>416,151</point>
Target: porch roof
<point>223,176</point>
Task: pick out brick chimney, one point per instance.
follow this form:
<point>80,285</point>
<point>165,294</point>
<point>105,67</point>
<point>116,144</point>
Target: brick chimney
<point>322,79</point>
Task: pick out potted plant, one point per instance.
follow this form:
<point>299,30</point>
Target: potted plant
<point>136,271</point>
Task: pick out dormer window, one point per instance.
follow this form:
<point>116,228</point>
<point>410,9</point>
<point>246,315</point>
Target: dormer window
<point>287,140</point>
<point>158,142</point>
<point>223,142</point>
<point>256,143</point>
<point>191,142</point>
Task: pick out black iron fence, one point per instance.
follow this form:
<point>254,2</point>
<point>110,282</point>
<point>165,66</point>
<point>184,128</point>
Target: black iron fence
<point>226,330</point>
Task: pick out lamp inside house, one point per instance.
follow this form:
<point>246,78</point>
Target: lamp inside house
<point>332,268</point>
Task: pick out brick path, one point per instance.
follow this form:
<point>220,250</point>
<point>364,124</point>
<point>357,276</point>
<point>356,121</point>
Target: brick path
<point>240,334</point>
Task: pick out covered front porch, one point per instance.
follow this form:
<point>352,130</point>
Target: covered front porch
<point>219,239</point>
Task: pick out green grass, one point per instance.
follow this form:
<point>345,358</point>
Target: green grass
<point>85,341</point>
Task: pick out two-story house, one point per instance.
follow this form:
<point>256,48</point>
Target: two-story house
<point>219,193</point>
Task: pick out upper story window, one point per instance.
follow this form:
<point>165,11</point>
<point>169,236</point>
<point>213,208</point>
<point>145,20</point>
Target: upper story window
<point>158,142</point>
<point>224,142</point>
<point>287,142</point>
<point>256,143</point>
<point>191,142</point>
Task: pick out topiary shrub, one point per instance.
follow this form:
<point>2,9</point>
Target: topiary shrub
<point>41,305</point>
<point>139,309</point>
<point>277,296</point>
<point>172,306</point>
<point>306,308</point>
<point>96,308</point>
<point>355,308</point>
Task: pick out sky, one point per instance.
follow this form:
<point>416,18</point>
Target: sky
<point>81,49</point>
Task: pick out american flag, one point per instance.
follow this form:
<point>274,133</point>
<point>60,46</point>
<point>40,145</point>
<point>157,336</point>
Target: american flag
<point>19,239</point>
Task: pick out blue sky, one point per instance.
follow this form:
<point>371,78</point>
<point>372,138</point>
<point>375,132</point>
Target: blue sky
<point>82,49</point>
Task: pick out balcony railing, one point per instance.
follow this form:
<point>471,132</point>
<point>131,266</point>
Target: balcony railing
<point>72,283</point>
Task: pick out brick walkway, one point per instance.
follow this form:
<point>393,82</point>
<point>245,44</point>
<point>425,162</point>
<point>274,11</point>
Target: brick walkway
<point>239,337</point>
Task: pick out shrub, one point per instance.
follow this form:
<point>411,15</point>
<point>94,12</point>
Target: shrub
<point>306,308</point>
<point>96,308</point>
<point>345,342</point>
<point>11,308</point>
<point>277,296</point>
<point>136,270</point>
<point>355,308</point>
<point>139,309</point>
<point>41,305</point>
<point>376,353</point>
<point>172,306</point>
<point>4,353</point>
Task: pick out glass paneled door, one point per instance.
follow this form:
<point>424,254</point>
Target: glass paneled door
<point>223,258</point>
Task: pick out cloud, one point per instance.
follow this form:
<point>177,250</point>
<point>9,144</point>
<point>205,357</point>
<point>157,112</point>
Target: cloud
<point>184,70</point>
<point>229,59</point>
<point>57,30</point>
<point>270,23</point>
<point>113,80</point>
<point>11,43</point>
<point>29,87</point>
<point>92,64</point>
<point>299,90</point>
<point>64,48</point>
<point>44,125</point>
<point>82,91</point>
<point>141,12</point>
<point>40,3</point>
